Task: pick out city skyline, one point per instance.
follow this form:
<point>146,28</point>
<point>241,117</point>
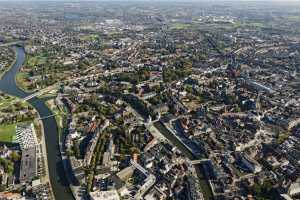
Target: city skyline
<point>149,100</point>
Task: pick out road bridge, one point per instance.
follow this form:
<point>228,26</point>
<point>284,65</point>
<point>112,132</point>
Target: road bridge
<point>196,162</point>
<point>39,93</point>
<point>12,43</point>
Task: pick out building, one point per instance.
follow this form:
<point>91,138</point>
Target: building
<point>27,139</point>
<point>26,136</point>
<point>249,164</point>
<point>105,195</point>
<point>294,190</point>
<point>28,169</point>
<point>11,196</point>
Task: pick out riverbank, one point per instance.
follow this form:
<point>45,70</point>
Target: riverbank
<point>20,83</point>
<point>185,150</point>
<point>204,184</point>
<point>61,120</point>
<point>13,111</point>
<point>67,167</point>
<point>39,130</point>
<point>57,177</point>
<point>46,178</point>
<point>12,63</point>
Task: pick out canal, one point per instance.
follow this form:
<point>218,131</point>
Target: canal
<point>57,176</point>
<point>203,182</point>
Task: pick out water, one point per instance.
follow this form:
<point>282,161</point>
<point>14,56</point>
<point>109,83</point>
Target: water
<point>204,185</point>
<point>57,176</point>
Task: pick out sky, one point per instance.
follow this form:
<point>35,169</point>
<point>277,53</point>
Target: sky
<point>172,0</point>
<point>281,1</point>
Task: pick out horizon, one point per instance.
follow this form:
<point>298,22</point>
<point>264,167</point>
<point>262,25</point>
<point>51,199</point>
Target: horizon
<point>232,2</point>
<point>281,1</point>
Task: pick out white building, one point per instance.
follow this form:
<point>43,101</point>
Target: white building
<point>26,136</point>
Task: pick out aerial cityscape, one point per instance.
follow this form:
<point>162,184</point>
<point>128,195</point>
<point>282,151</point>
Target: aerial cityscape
<point>149,100</point>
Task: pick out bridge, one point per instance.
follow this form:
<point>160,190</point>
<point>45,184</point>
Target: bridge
<point>46,117</point>
<point>196,162</point>
<point>47,89</point>
<point>39,93</point>
<point>12,43</point>
<point>49,116</point>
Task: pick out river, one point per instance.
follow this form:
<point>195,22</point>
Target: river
<point>57,176</point>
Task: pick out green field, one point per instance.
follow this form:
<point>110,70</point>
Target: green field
<point>89,37</point>
<point>22,81</point>
<point>7,133</point>
<point>181,26</point>
<point>12,103</point>
<point>294,18</point>
<point>33,61</point>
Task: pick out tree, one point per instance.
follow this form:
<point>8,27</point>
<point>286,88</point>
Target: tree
<point>14,156</point>
<point>264,191</point>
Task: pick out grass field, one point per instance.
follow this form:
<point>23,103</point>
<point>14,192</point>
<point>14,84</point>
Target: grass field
<point>22,80</point>
<point>181,26</point>
<point>33,61</point>
<point>60,115</point>
<point>89,37</point>
<point>294,18</point>
<point>7,133</point>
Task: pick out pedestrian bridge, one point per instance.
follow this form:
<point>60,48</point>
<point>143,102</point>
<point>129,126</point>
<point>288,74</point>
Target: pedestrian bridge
<point>46,117</point>
<point>49,116</point>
